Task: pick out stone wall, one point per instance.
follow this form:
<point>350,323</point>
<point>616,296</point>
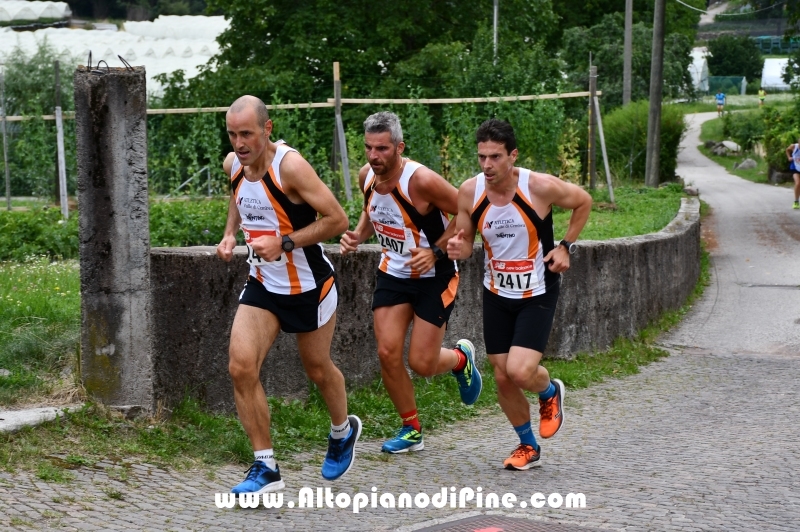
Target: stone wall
<point>613,289</point>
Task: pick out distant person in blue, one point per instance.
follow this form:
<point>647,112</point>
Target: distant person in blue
<point>793,154</point>
<point>720,97</point>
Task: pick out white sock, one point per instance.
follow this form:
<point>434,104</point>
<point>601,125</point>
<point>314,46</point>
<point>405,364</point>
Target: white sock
<point>340,432</point>
<point>267,457</point>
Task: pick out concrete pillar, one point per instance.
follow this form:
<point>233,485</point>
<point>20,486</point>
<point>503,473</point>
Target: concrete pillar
<point>116,334</point>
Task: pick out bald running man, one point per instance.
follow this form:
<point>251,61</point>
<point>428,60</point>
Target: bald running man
<point>284,211</point>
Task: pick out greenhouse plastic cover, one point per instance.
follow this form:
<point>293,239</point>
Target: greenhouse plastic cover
<point>772,74</point>
<point>699,69</point>
<point>22,10</point>
<point>159,55</point>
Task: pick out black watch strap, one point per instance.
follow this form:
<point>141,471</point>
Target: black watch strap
<point>438,252</point>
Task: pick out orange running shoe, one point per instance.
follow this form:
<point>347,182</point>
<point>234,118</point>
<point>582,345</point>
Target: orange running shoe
<point>551,412</point>
<point>524,457</point>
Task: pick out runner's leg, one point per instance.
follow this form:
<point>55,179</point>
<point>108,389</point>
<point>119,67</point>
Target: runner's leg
<point>391,325</point>
<point>315,353</point>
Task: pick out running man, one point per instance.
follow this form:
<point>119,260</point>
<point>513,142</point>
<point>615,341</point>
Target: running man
<point>285,211</point>
<point>512,209</point>
<point>720,98</point>
<point>793,154</point>
<point>762,94</point>
<point>405,206</point>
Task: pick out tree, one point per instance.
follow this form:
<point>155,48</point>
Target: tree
<point>730,55</point>
<point>289,46</point>
<point>605,41</point>
<point>587,13</point>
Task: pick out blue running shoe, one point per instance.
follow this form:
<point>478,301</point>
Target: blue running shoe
<point>408,439</point>
<point>469,378</point>
<point>260,479</point>
<point>341,453</point>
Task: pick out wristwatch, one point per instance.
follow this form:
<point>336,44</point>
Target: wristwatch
<point>571,247</point>
<point>287,244</point>
<point>438,252</point>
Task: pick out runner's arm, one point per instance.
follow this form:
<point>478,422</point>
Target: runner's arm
<point>459,246</point>
<point>300,178</point>
<point>554,191</point>
<point>364,228</point>
<point>228,242</point>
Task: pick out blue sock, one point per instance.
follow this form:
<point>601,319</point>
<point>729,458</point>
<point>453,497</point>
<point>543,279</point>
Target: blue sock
<point>548,393</point>
<point>526,435</point>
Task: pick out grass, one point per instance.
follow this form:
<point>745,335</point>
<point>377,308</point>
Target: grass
<point>39,327</point>
<point>713,130</point>
<point>638,211</point>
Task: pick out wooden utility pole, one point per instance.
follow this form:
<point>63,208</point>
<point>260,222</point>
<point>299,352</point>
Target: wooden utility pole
<point>652,164</point>
<point>5,147</point>
<point>627,54</point>
<point>340,142</point>
<point>62,165</point>
<point>592,128</point>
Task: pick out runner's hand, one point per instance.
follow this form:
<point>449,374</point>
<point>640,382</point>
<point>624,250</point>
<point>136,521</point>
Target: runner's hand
<point>558,259</point>
<point>267,247</point>
<point>422,259</point>
<point>349,242</point>
<point>225,248</point>
<point>455,246</point>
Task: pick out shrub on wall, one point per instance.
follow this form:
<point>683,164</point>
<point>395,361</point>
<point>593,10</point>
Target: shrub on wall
<point>625,131</point>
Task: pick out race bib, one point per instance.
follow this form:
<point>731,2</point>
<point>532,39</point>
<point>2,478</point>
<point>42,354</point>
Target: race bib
<point>252,256</point>
<point>396,239</point>
<point>514,275</point>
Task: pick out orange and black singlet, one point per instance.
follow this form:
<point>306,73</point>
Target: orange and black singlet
<point>400,227</point>
<point>515,242</point>
<point>265,210</point>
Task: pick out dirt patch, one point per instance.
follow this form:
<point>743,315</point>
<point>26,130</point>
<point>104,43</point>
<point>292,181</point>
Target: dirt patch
<point>790,226</point>
<point>707,233</point>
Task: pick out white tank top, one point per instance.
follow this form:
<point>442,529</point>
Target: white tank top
<point>266,210</point>
<point>400,227</point>
<point>515,241</point>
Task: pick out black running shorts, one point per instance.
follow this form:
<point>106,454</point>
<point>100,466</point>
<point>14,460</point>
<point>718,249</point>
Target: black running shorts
<point>432,298</point>
<point>297,313</point>
<point>518,322</point>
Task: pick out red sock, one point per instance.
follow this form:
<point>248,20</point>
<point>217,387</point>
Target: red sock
<point>462,360</point>
<point>410,418</point>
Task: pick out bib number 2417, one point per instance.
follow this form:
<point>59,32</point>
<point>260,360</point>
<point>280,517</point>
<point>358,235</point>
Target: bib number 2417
<point>514,275</point>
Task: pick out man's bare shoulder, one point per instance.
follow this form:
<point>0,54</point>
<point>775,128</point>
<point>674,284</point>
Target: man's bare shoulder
<point>293,164</point>
<point>227,164</point>
<point>540,183</point>
<point>362,175</point>
<point>468,186</point>
<point>424,177</point>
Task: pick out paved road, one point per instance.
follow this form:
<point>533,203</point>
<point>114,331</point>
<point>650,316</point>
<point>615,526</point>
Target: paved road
<point>702,440</point>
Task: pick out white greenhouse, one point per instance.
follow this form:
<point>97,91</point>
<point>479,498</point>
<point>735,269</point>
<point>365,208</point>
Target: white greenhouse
<point>162,46</point>
<point>699,69</point>
<point>772,74</point>
<point>11,10</point>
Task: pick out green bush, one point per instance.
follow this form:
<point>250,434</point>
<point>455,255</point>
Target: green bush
<point>37,232</point>
<point>187,223</point>
<point>178,223</point>
<point>744,128</point>
<point>780,130</point>
<point>625,131</point>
